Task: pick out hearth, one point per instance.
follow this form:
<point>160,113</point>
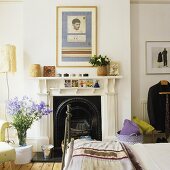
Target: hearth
<point>85,120</point>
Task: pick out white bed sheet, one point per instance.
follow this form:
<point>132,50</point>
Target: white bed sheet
<point>89,163</point>
<point>152,156</point>
<point>149,156</point>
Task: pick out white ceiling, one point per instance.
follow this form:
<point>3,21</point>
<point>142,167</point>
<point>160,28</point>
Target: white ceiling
<point>151,1</point>
<point>132,1</point>
<point>11,0</point>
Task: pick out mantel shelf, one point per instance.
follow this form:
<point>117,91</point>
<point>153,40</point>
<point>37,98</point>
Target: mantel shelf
<point>56,85</point>
<point>79,88</point>
<point>72,78</point>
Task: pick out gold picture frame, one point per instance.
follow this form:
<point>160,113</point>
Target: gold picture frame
<point>76,35</point>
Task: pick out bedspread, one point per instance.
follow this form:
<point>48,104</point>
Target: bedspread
<point>96,155</point>
<point>112,155</point>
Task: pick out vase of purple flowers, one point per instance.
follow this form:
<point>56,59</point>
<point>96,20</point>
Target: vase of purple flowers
<point>24,112</point>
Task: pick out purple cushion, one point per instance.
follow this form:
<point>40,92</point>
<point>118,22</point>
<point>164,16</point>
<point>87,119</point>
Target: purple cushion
<point>129,128</point>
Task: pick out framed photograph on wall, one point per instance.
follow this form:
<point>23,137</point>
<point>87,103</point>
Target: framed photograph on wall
<point>158,57</point>
<point>76,35</point>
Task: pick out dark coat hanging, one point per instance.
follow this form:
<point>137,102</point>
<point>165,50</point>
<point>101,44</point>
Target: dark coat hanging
<point>156,105</point>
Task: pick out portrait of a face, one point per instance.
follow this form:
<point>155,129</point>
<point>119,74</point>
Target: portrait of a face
<point>76,24</point>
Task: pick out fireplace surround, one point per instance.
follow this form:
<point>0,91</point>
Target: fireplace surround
<point>49,88</point>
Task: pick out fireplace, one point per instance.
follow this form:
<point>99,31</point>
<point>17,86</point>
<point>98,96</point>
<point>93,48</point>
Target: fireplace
<point>85,120</point>
<point>103,100</point>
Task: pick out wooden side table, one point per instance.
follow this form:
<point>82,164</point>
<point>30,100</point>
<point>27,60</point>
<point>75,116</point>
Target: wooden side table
<point>23,154</point>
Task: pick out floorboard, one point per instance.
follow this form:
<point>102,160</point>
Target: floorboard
<point>37,166</point>
<point>17,167</point>
<point>6,166</point>
<point>57,166</point>
<point>26,166</point>
<point>34,166</point>
<point>48,166</point>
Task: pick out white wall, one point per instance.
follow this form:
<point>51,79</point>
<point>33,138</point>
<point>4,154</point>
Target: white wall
<point>39,40</point>
<point>11,32</point>
<point>149,22</point>
<point>113,39</point>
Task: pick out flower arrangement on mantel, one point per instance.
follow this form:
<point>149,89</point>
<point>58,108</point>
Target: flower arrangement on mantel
<point>24,112</point>
<point>101,62</point>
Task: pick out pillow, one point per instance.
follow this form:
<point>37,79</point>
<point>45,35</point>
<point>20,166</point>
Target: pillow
<point>129,128</point>
<point>146,127</point>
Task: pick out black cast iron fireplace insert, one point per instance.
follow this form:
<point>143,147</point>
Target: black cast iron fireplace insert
<point>85,120</point>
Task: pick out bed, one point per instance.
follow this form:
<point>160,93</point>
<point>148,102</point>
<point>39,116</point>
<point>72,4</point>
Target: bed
<point>152,156</point>
<point>83,154</point>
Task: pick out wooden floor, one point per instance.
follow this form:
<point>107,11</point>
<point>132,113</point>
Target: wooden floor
<point>33,166</point>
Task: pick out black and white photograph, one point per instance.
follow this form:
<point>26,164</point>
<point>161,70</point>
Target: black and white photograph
<point>76,24</point>
<point>158,57</point>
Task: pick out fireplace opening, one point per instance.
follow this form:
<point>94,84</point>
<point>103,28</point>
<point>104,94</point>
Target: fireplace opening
<point>80,128</point>
<point>85,120</point>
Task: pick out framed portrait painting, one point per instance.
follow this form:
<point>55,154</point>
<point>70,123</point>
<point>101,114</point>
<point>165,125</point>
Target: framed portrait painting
<point>158,57</point>
<point>76,35</point>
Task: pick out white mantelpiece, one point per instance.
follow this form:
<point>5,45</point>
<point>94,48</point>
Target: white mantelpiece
<point>47,87</point>
<point>52,85</point>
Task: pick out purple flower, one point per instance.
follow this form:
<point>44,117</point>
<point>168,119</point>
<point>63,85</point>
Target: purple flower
<point>13,106</point>
<point>43,109</point>
<point>41,106</point>
<point>27,111</point>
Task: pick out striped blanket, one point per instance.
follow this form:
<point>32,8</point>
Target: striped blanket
<point>96,155</point>
<point>101,154</point>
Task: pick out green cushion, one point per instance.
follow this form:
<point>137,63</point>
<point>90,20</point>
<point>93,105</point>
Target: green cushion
<point>7,152</point>
<point>146,127</point>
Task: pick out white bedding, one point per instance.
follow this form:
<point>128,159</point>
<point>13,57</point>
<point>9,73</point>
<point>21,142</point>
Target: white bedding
<point>152,156</point>
<point>148,156</point>
<point>77,157</point>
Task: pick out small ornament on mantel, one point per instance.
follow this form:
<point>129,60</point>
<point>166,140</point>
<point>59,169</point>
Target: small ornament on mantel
<point>101,62</point>
<point>96,84</point>
<point>49,71</point>
<point>35,70</point>
<point>102,70</point>
<point>114,68</point>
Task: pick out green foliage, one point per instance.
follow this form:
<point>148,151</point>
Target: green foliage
<point>99,60</point>
<point>23,122</point>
